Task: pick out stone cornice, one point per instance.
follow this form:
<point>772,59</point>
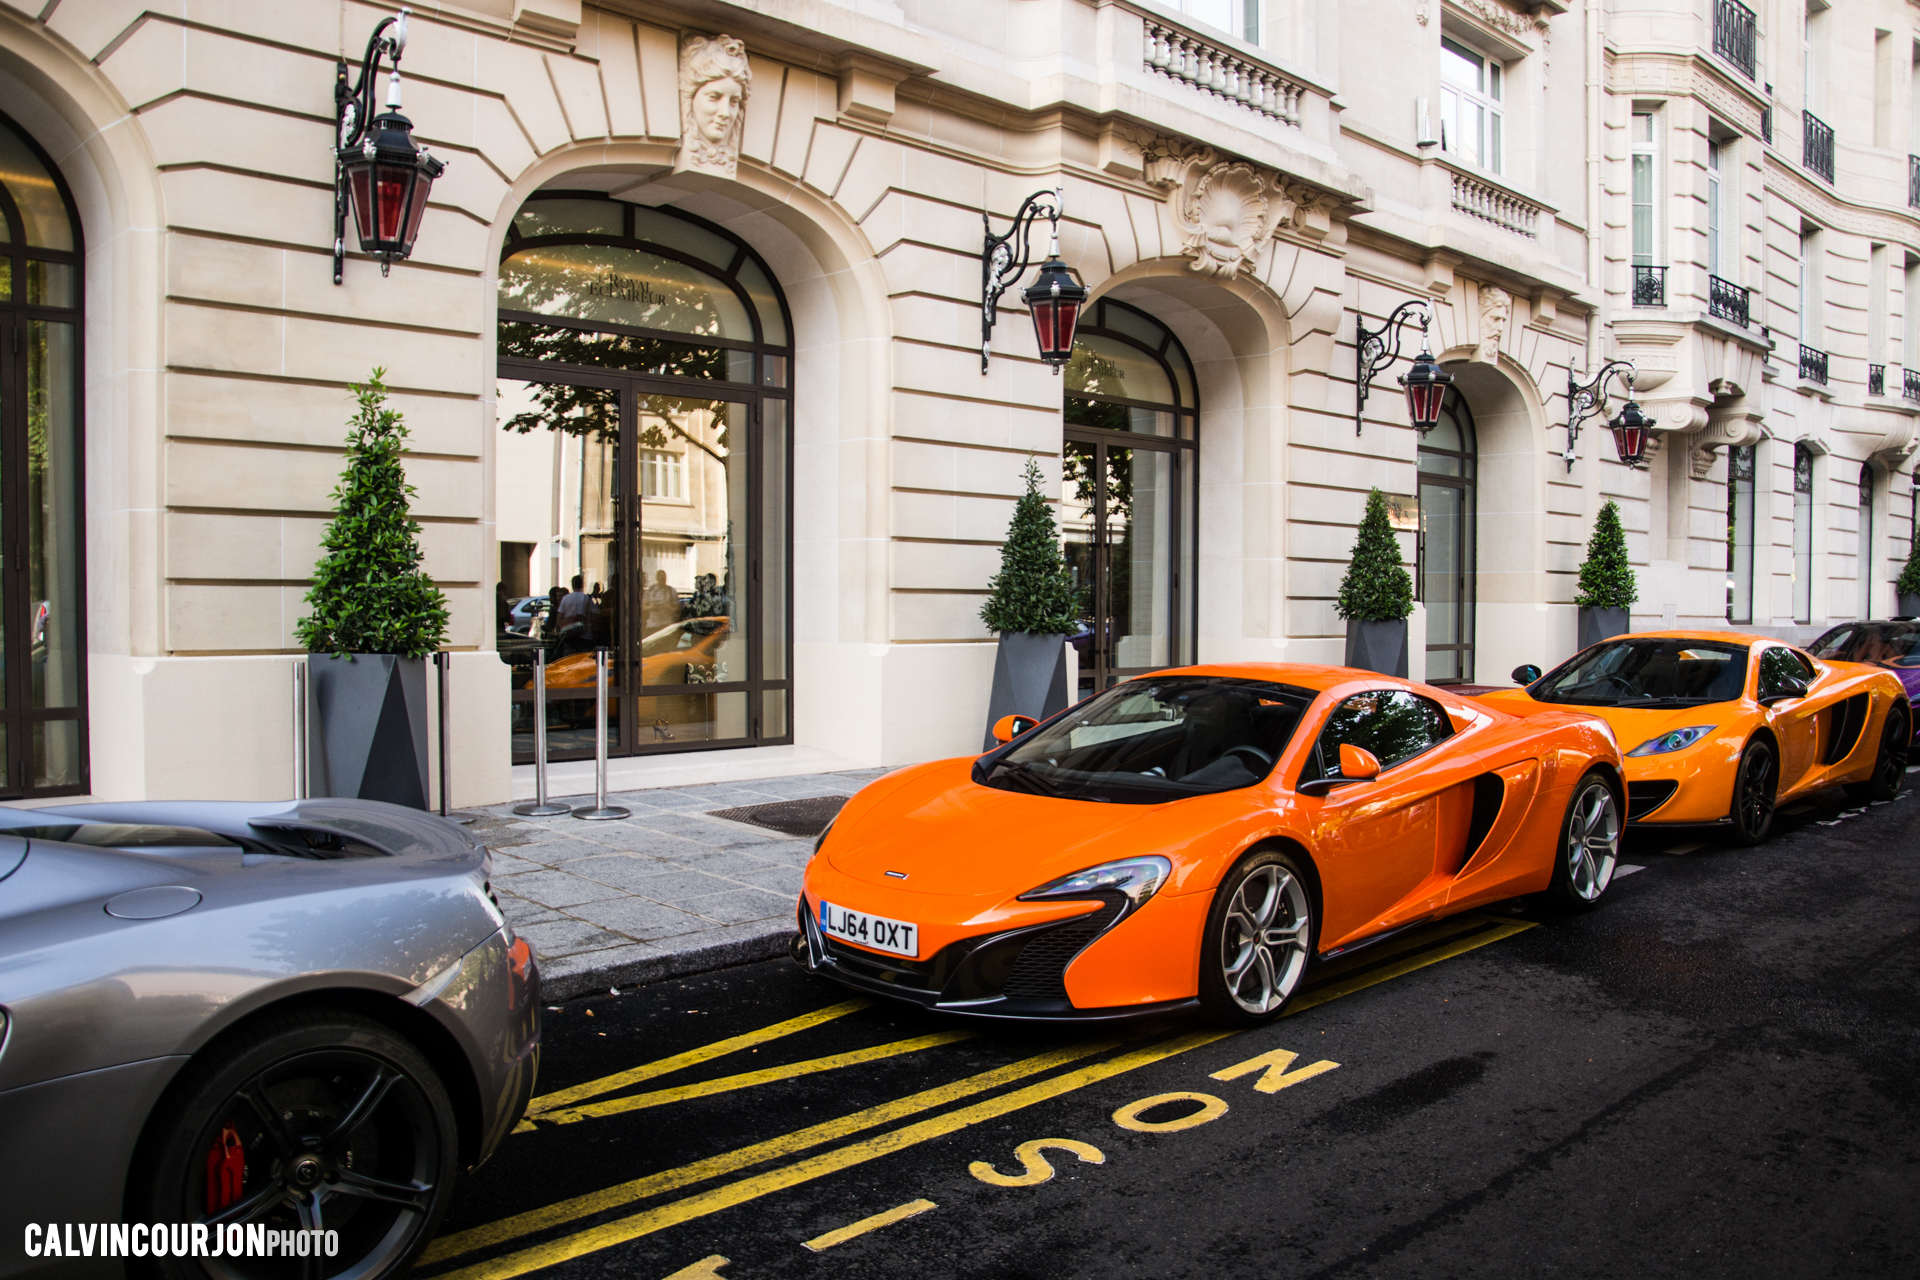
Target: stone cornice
<point>1823,205</point>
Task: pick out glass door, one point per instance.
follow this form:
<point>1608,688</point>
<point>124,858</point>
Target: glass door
<point>1447,537</point>
<point>1120,513</point>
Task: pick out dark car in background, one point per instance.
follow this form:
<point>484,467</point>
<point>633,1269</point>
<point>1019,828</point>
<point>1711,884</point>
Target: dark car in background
<point>1894,645</point>
<point>295,1016</point>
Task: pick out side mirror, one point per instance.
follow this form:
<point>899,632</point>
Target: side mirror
<point>1791,687</point>
<point>1357,764</point>
<point>1007,728</point>
<point>1525,673</point>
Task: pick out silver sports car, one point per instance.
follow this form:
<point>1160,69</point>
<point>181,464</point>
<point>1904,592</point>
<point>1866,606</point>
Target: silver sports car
<point>286,1018</point>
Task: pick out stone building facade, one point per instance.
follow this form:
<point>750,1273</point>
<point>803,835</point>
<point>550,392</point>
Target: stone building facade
<point>695,316</point>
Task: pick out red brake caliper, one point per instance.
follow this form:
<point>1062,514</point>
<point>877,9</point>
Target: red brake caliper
<point>226,1167</point>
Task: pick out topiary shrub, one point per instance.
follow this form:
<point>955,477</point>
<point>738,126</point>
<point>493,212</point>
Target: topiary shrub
<point>1033,592</point>
<point>369,593</point>
<point>1606,576</point>
<point>1376,587</point>
<point>1908,583</point>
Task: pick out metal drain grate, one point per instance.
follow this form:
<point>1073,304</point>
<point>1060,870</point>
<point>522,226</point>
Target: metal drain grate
<point>808,817</point>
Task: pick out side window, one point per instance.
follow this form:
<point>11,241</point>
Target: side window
<point>1391,723</point>
<point>1777,666</point>
<point>1804,663</point>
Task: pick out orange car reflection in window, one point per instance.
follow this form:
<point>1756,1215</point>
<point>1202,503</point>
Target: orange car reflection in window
<point>686,652</point>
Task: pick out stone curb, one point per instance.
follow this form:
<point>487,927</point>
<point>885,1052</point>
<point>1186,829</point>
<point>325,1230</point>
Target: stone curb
<point>560,982</point>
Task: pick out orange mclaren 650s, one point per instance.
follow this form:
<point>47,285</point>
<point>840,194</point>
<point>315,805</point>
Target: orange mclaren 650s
<point>1200,836</point>
<point>1720,728</point>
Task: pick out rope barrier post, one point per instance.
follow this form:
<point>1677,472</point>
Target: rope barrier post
<point>601,810</point>
<point>540,808</point>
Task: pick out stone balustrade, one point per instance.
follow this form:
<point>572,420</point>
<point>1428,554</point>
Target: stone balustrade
<point>1480,199</point>
<point>1183,56</point>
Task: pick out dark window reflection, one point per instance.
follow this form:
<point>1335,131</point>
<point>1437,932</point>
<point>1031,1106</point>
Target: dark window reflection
<point>1391,723</point>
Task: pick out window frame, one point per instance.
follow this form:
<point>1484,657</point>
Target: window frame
<point>1489,98</point>
<point>1647,148</point>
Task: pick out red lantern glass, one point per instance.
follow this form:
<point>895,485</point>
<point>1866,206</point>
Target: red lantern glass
<point>388,181</point>
<point>1426,385</point>
<point>1054,300</point>
<point>1630,434</point>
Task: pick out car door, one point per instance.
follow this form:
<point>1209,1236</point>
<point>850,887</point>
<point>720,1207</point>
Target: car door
<point>1793,719</point>
<point>1375,839</point>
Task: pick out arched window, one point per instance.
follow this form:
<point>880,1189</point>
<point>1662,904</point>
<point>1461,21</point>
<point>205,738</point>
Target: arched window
<point>1448,456</point>
<point>643,482</point>
<point>1128,463</point>
<point>42,610</point>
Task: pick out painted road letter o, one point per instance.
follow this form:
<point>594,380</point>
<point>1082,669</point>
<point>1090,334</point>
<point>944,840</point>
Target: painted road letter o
<point>1128,1117</point>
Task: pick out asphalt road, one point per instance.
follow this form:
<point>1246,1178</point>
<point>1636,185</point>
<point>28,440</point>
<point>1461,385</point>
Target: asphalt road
<point>1714,1074</point>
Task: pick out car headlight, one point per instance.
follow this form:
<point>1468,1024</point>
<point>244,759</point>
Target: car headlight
<point>822,837</point>
<point>1138,878</point>
<point>1675,740</point>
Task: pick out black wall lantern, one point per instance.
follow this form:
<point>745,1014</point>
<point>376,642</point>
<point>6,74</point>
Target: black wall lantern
<point>1054,299</point>
<point>1426,383</point>
<point>1589,400</point>
<point>377,169</point>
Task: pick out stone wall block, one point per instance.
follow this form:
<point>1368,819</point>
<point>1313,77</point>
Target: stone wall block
<point>829,156</point>
<point>328,352</point>
<point>150,63</point>
<point>203,268</point>
<point>577,85</point>
<point>620,76</point>
<point>205,617</point>
<point>501,138</point>
<point>90,27</point>
<point>206,545</point>
<point>257,208</point>
<point>758,133</point>
<point>188,130</point>
<point>954,566</point>
<point>800,106</point>
<point>937,615</point>
<point>876,168</point>
<point>212,407</point>
<point>529,92</point>
<point>660,81</point>
<point>219,338</point>
<point>1144,217</point>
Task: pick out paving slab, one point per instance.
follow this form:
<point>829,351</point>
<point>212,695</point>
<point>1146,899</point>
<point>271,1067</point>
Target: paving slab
<point>667,893</point>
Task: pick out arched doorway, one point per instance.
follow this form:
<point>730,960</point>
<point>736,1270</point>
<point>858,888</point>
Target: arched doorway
<point>42,604</point>
<point>1448,456</point>
<point>643,484</point>
<point>1128,463</point>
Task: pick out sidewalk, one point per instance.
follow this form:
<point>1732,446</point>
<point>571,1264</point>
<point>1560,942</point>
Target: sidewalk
<point>671,891</point>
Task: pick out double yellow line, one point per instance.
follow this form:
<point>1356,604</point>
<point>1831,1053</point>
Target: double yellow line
<point>1362,970</point>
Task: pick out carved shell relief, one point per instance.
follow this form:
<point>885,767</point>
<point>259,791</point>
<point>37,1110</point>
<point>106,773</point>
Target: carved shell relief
<point>1227,210</point>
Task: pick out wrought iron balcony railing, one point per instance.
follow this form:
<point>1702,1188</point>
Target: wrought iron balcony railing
<point>1910,385</point>
<point>1913,182</point>
<point>1727,301</point>
<point>1876,379</point>
<point>1734,30</point>
<point>1813,364</point>
<point>1816,145</point>
<point>1649,286</point>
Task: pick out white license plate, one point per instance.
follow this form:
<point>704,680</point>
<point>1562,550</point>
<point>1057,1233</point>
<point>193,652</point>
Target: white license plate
<point>877,932</point>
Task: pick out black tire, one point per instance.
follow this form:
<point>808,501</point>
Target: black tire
<point>1588,848</point>
<point>1260,937</point>
<point>1755,786</point>
<point>330,1109</point>
<point>1890,762</point>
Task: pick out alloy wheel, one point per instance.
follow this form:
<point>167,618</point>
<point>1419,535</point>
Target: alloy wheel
<point>1265,938</point>
<point>1592,841</point>
<point>1755,801</point>
<point>333,1140</point>
<point>1896,745</point>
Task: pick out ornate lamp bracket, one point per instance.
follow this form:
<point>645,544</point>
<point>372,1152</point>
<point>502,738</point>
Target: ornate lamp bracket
<point>352,113</point>
<point>1372,353</point>
<point>1589,399</point>
<point>1005,257</point>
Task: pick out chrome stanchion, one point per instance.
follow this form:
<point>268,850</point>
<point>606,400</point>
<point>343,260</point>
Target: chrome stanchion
<point>540,808</point>
<point>300,744</point>
<point>601,810</point>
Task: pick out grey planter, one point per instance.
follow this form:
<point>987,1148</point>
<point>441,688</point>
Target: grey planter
<point>1029,678</point>
<point>1909,606</point>
<point>1377,646</point>
<point>368,734</point>
<point>1602,624</point>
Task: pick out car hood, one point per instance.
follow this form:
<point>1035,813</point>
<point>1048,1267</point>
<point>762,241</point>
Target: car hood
<point>1631,726</point>
<point>954,837</point>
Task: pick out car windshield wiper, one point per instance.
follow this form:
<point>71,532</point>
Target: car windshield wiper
<point>1646,703</point>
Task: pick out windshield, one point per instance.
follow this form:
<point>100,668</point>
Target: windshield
<point>1651,672</point>
<point>1886,644</point>
<point>1152,740</point>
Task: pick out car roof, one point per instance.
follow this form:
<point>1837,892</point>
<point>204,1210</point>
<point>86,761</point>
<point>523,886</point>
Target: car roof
<point>1304,675</point>
<point>1722,637</point>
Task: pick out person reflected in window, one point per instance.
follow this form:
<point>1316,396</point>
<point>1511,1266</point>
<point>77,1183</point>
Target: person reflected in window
<point>659,604</point>
<point>573,619</point>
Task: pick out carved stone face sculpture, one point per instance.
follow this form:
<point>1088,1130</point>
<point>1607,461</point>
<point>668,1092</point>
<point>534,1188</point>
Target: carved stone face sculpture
<point>715,79</point>
<point>1226,218</point>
